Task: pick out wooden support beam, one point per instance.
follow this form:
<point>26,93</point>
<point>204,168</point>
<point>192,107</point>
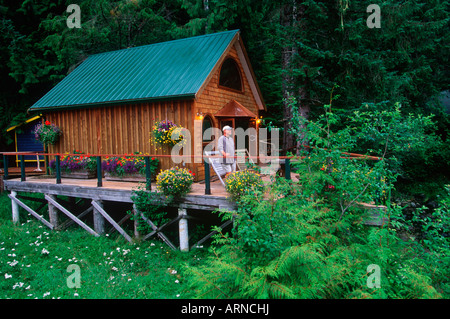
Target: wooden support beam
<point>201,241</point>
<point>71,216</point>
<point>120,222</point>
<point>110,220</point>
<point>16,202</point>
<point>157,232</point>
<point>99,220</point>
<point>53,212</point>
<point>137,234</point>
<point>69,222</point>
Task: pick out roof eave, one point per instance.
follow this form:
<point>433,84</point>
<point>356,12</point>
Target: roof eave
<point>186,96</point>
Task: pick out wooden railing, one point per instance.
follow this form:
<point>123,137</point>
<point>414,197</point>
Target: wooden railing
<point>57,156</point>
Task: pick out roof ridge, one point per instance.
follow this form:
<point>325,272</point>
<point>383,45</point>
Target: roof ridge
<point>166,42</point>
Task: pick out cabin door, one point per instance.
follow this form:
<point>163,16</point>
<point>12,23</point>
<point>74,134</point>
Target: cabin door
<point>237,122</point>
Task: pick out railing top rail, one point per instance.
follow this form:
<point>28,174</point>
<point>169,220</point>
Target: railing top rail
<point>348,155</point>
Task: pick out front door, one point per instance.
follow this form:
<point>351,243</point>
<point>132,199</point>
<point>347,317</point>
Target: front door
<point>237,122</point>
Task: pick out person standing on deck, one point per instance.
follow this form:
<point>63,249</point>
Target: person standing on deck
<point>226,148</point>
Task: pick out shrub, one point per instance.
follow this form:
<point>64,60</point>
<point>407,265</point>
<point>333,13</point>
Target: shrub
<point>128,165</point>
<point>47,133</point>
<point>306,239</point>
<point>243,182</point>
<point>175,182</point>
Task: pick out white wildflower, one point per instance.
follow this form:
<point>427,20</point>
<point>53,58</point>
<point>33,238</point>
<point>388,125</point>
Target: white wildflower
<point>13,263</point>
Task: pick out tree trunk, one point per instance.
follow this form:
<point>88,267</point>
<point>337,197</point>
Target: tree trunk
<point>291,17</point>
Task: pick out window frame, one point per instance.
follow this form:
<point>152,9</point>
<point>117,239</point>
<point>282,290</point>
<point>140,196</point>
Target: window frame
<point>239,73</point>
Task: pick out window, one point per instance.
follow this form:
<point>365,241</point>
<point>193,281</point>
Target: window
<point>207,123</point>
<point>230,75</point>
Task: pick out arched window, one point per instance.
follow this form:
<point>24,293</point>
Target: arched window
<point>207,123</point>
<point>230,76</point>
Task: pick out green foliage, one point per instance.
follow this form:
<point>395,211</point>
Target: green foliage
<point>150,204</point>
<point>305,239</point>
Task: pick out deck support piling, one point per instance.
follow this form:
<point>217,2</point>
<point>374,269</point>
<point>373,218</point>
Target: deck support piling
<point>183,229</point>
<point>15,208</point>
<point>137,233</point>
<point>99,220</point>
<point>53,212</point>
<point>110,220</point>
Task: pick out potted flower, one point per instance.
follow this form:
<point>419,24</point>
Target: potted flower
<point>47,133</point>
<point>79,165</point>
<point>162,133</point>
<point>243,182</point>
<point>175,182</point>
<point>128,168</point>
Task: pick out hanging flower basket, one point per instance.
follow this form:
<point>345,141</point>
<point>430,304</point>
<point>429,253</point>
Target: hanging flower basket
<point>163,133</point>
<point>47,133</point>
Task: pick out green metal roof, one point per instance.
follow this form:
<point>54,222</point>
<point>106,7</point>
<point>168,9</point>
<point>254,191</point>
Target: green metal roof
<point>167,70</point>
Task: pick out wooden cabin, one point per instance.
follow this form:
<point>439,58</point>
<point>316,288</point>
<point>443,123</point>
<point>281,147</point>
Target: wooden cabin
<point>110,102</point>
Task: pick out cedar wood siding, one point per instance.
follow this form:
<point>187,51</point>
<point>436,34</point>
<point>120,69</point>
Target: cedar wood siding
<point>119,129</point>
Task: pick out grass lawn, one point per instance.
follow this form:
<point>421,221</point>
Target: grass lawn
<point>34,263</point>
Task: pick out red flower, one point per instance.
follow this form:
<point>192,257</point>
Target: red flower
<point>47,123</point>
<point>153,158</point>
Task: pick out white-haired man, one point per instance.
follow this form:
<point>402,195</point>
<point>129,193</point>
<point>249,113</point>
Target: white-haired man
<point>226,148</point>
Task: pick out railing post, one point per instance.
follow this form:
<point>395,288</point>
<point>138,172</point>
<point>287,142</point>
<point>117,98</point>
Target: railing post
<point>5,167</point>
<point>148,174</point>
<point>207,178</point>
<point>22,168</point>
<point>47,166</point>
<point>58,169</point>
<point>288,168</point>
<point>99,172</point>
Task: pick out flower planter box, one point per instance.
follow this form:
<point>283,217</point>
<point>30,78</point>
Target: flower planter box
<point>79,174</point>
<point>135,177</point>
<point>374,215</point>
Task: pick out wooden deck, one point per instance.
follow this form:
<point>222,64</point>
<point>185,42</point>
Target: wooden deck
<point>117,191</point>
<point>112,191</point>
